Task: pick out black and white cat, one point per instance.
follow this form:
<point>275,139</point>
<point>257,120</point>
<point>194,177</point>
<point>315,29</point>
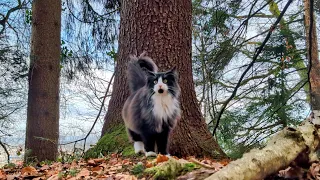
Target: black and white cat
<point>152,109</point>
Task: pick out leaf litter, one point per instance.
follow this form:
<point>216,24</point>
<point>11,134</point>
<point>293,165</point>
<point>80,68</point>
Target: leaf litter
<point>116,167</point>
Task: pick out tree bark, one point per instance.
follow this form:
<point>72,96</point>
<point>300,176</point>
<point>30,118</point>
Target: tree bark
<point>289,145</point>
<point>163,29</point>
<point>313,56</point>
<point>42,131</point>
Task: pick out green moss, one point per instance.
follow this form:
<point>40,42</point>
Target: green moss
<point>114,142</point>
<point>170,169</point>
<point>189,167</point>
<point>137,169</point>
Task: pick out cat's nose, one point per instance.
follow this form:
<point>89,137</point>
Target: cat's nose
<point>160,86</point>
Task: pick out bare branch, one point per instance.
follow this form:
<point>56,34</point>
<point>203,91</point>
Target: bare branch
<point>258,51</point>
<point>97,117</point>
<point>6,150</point>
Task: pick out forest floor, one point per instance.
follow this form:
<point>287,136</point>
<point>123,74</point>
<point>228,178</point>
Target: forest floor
<point>117,167</point>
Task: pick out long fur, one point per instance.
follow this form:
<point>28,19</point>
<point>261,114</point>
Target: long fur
<point>149,115</point>
<point>136,71</point>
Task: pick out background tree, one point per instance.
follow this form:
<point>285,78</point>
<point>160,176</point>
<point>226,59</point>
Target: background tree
<point>225,38</point>
<point>43,99</point>
<point>163,29</point>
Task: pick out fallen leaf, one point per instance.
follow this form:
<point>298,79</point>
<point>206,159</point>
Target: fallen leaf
<point>217,165</point>
<point>54,177</point>
<point>44,167</point>
<point>2,175</point>
<point>114,168</point>
<point>13,176</point>
<point>73,164</point>
<point>113,161</point>
<point>97,168</point>
<point>161,158</point>
<point>126,162</point>
<point>39,178</point>
<point>99,160</point>
<point>314,170</point>
<point>104,165</point>
<point>197,174</point>
<point>91,162</point>
<point>112,172</point>
<point>51,173</point>
<point>148,164</point>
<point>125,177</point>
<point>114,155</point>
<point>225,162</point>
<point>83,173</point>
<point>29,171</point>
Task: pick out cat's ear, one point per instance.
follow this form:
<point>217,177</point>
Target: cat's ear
<point>174,70</point>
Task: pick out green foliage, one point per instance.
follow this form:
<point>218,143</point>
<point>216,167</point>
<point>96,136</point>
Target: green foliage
<point>269,98</point>
<point>112,54</point>
<point>28,16</point>
<point>65,52</point>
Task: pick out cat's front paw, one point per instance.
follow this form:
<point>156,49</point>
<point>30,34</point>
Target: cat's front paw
<point>138,147</point>
<point>150,153</point>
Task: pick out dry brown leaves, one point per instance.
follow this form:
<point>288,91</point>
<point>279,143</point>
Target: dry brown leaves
<point>111,168</point>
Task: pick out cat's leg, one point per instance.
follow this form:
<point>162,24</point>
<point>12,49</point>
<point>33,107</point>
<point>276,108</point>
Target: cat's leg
<point>162,141</point>
<point>138,144</point>
<point>149,144</point>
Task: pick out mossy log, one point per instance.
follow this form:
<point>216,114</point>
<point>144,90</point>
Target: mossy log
<point>297,145</point>
<point>170,169</point>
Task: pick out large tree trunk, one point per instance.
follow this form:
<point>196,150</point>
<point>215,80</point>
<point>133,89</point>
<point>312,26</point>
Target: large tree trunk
<point>42,131</point>
<point>163,29</point>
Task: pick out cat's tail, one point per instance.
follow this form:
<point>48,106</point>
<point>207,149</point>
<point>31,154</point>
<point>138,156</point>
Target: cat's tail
<point>137,77</point>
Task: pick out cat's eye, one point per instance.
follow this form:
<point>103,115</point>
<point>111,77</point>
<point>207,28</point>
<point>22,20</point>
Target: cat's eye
<point>165,81</point>
<point>155,81</point>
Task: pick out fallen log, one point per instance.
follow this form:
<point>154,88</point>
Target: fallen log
<point>290,145</point>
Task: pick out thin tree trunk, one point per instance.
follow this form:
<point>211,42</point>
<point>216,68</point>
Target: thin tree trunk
<point>284,28</point>
<point>163,29</point>
<point>315,66</point>
<point>42,131</point>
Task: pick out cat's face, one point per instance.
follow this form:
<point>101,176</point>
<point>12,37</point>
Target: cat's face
<point>163,83</point>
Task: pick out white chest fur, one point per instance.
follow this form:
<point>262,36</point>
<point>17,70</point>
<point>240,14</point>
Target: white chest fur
<point>164,106</point>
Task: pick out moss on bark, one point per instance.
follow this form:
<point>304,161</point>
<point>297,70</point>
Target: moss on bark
<point>114,141</point>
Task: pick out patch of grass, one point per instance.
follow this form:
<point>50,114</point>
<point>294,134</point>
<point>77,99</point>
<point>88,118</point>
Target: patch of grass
<point>115,141</point>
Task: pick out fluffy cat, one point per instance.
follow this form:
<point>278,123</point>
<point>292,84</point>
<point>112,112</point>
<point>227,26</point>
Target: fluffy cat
<point>152,109</point>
